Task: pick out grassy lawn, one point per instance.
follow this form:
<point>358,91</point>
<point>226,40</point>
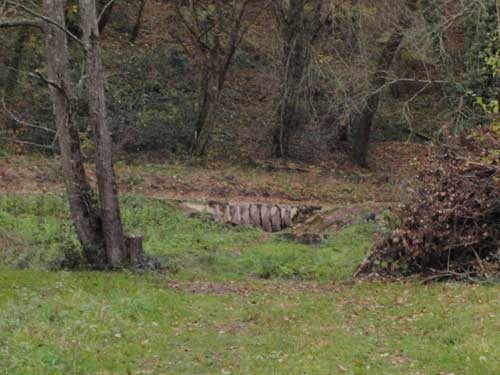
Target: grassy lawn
<point>233,301</point>
<point>98,323</point>
<point>35,232</point>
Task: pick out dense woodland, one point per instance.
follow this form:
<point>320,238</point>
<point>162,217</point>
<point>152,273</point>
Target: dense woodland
<point>254,79</point>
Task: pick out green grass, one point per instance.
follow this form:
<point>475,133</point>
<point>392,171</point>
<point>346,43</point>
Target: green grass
<point>35,232</point>
<point>213,312</point>
<point>112,323</point>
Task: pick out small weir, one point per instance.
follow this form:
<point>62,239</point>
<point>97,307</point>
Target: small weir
<point>268,217</point>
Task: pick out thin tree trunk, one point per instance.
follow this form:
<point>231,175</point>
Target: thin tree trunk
<point>138,22</point>
<point>210,97</point>
<point>498,16</point>
<point>364,121</point>
<point>216,40</point>
<point>114,236</point>
<point>362,125</point>
<point>204,106</point>
<point>106,16</point>
<point>13,75</point>
<point>296,49</point>
<point>78,189</point>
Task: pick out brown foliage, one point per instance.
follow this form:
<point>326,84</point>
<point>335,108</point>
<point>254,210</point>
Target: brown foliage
<point>452,227</point>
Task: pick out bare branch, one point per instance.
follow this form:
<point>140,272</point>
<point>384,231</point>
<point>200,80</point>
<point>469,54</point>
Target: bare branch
<point>39,76</point>
<point>104,9</point>
<point>48,20</point>
<point>27,143</point>
<point>24,123</point>
<point>17,22</point>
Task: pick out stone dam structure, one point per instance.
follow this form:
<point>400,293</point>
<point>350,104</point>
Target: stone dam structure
<point>268,217</point>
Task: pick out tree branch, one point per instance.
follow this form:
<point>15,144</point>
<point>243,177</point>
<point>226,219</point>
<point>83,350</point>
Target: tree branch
<point>24,123</point>
<point>16,22</point>
<point>27,143</point>
<point>38,76</point>
<point>48,20</point>
<point>104,9</point>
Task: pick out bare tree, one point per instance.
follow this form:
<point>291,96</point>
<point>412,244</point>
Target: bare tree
<point>9,17</point>
<point>362,123</point>
<point>138,22</point>
<point>81,198</point>
<point>211,34</point>
<point>98,225</point>
<point>105,10</point>
<point>113,233</point>
<point>300,23</point>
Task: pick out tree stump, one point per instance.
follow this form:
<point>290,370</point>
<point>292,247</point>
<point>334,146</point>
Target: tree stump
<point>134,246</point>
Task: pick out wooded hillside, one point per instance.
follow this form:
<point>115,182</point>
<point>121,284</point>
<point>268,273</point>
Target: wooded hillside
<point>311,80</point>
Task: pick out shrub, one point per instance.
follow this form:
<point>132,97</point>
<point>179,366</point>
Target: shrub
<point>149,107</point>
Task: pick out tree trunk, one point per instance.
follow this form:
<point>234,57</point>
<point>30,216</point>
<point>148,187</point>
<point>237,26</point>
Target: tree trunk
<point>114,236</point>
<point>362,124</point>
<point>15,63</point>
<point>212,81</point>
<point>204,108</point>
<point>106,16</point>
<point>80,195</point>
<point>138,21</point>
<point>296,49</point>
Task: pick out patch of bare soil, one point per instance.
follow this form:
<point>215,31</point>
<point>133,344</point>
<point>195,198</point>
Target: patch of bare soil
<point>326,184</point>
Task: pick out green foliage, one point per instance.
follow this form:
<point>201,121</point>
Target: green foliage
<point>150,105</point>
<point>481,57</point>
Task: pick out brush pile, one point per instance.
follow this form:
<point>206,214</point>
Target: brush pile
<point>451,229</point>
